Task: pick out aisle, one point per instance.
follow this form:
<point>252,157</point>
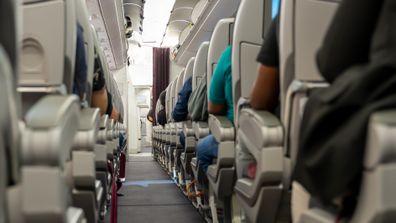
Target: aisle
<point>150,196</point>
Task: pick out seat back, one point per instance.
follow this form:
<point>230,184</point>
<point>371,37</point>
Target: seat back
<point>200,64</point>
<point>9,112</point>
<point>167,101</point>
<point>83,20</point>
<point>298,46</point>
<point>189,69</point>
<point>49,47</point>
<point>299,74</point>
<point>252,21</point>
<point>259,132</point>
<point>221,38</point>
<point>173,97</point>
<point>8,151</point>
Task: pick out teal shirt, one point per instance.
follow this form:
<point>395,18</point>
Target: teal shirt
<point>220,91</point>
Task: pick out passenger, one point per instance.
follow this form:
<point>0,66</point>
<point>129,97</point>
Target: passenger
<point>346,44</point>
<point>101,97</point>
<point>219,103</point>
<point>80,69</point>
<point>151,117</point>
<point>265,92</point>
<point>161,114</point>
<point>348,41</point>
<point>180,112</point>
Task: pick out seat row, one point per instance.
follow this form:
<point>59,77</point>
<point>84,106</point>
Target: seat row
<point>60,157</point>
<point>260,138</point>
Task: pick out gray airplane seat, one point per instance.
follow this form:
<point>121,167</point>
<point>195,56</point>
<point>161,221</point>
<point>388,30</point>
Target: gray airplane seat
<point>5,169</point>
<point>191,135</point>
<point>376,201</point>
<point>9,140</point>
<point>44,194</point>
<point>168,108</point>
<point>171,125</point>
<point>101,163</point>
<point>200,129</point>
<point>47,67</point>
<point>177,166</point>
<point>221,174</point>
<point>178,84</point>
<point>87,191</point>
<point>259,133</point>
<point>161,130</point>
<point>49,48</point>
<point>299,77</point>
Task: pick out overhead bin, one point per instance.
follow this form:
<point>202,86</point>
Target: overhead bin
<point>139,3</point>
<point>185,3</point>
<point>204,15</point>
<point>198,10</point>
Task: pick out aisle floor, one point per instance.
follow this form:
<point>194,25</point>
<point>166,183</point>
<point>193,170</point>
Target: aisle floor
<point>150,196</point>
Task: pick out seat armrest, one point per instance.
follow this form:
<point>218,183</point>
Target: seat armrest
<point>110,129</point>
<point>51,125</point>
<point>102,134</point>
<point>201,129</point>
<point>317,216</point>
<point>221,128</point>
<point>225,158</point>
<point>86,136</point>
<point>103,121</point>
<point>381,139</point>
<point>261,128</point>
<point>75,215</point>
<point>84,169</point>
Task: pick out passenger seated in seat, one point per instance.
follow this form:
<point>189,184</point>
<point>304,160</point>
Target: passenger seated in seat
<point>151,117</point>
<point>219,103</point>
<point>101,97</point>
<point>80,70</point>
<point>265,92</point>
<point>180,112</point>
<point>265,96</point>
<point>161,114</point>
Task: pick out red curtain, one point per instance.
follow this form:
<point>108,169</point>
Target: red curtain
<point>160,72</point>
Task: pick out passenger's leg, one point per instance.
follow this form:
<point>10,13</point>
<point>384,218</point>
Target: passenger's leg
<point>207,151</point>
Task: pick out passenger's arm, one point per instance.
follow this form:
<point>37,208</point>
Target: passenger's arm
<point>180,111</point>
<point>99,100</point>
<point>216,109</point>
<point>115,114</point>
<point>265,92</point>
<point>264,95</point>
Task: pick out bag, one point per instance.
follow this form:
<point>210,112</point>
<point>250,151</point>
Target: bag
<point>198,102</point>
<point>334,126</point>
